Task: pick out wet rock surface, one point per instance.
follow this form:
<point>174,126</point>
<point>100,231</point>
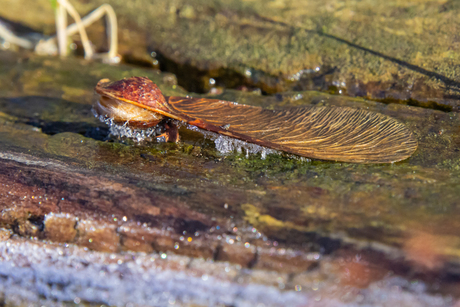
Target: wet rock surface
<point>294,228</point>
<point>395,51</point>
<point>85,215</point>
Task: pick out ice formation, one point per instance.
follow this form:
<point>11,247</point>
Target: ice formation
<point>224,144</point>
<point>124,131</point>
<point>38,274</point>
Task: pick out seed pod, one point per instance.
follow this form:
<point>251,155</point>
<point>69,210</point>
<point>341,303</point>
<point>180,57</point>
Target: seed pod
<point>328,133</point>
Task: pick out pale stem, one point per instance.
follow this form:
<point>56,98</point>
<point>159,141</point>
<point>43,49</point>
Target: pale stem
<point>10,37</point>
<point>81,29</point>
<point>61,24</point>
<point>62,31</point>
<point>95,15</point>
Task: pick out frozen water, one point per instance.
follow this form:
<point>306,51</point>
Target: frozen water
<point>124,131</point>
<point>138,135</point>
<point>36,274</point>
<point>224,144</point>
<point>227,145</point>
<point>32,271</point>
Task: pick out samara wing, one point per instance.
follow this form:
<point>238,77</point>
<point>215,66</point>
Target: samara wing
<point>330,133</point>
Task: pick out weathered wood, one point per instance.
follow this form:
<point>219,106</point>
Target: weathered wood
<point>150,197</point>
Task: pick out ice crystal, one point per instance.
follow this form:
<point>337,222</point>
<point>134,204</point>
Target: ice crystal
<point>124,131</point>
<point>227,145</point>
<point>224,144</point>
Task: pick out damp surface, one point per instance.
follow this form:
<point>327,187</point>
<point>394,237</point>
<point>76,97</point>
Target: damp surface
<point>88,209</point>
<point>311,224</point>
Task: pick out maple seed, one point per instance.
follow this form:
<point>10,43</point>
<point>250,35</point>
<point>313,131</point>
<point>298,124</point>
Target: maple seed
<point>328,133</point>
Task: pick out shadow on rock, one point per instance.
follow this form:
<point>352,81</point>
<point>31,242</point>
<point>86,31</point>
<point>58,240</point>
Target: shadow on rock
<point>55,115</point>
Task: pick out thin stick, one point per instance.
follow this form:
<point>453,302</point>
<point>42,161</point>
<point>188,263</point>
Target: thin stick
<point>10,37</point>
<point>61,24</point>
<point>95,15</point>
<point>62,32</point>
<point>81,29</point>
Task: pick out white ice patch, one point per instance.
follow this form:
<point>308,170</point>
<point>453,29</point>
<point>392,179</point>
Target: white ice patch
<point>37,274</point>
<point>224,144</point>
<point>124,131</point>
<point>227,145</point>
<point>138,135</point>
